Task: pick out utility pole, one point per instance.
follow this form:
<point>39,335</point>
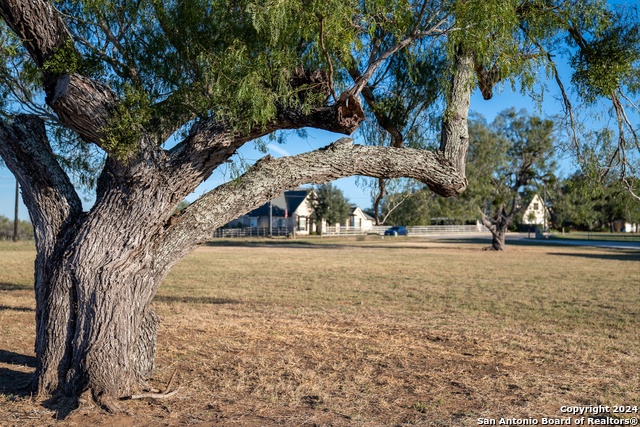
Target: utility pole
<point>270,219</point>
<point>15,218</point>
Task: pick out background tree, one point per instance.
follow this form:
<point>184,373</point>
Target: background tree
<point>154,96</point>
<point>409,207</point>
<point>330,204</point>
<point>419,206</point>
<point>573,204</point>
<point>505,159</point>
<point>578,204</point>
<point>7,227</point>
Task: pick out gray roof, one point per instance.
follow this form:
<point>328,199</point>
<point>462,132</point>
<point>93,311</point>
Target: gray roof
<point>288,202</point>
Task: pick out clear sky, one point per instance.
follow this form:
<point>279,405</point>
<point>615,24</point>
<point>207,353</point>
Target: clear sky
<point>295,145</point>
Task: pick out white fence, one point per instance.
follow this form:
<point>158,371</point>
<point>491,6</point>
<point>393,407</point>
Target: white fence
<point>348,231</point>
<point>252,231</point>
<point>413,231</point>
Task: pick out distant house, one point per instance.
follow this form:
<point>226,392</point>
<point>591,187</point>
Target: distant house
<point>289,211</point>
<point>360,220</point>
<point>624,226</point>
<point>536,213</point>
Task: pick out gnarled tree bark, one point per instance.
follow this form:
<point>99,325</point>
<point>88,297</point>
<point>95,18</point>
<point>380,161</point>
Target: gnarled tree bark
<point>97,272</point>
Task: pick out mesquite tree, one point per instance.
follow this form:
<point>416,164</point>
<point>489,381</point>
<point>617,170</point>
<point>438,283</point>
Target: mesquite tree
<point>120,79</point>
<point>507,157</point>
<point>600,42</point>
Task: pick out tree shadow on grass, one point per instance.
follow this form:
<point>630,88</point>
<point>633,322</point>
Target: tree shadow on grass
<point>19,384</point>
<point>11,358</point>
<point>612,256</point>
<point>266,243</point>
<point>15,382</point>
<point>194,300</point>
<point>4,286</point>
<point>486,240</point>
<point>62,405</point>
<point>23,309</point>
<point>400,243</point>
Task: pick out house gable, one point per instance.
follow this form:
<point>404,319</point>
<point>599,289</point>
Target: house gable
<point>536,212</point>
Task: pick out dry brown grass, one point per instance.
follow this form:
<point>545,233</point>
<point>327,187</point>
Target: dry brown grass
<point>365,333</point>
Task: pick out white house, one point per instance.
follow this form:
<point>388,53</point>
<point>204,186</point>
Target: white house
<point>290,211</point>
<point>536,213</point>
<point>625,226</point>
<point>360,220</point>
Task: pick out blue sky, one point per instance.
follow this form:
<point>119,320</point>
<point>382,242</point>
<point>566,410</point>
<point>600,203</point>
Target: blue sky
<point>315,139</point>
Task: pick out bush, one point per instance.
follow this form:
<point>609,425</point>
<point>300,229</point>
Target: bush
<point>25,229</point>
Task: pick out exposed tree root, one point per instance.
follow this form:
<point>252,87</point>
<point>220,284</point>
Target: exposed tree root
<point>155,394</point>
<point>109,404</point>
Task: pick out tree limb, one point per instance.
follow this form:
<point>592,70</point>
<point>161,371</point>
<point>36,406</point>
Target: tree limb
<point>269,177</point>
<point>48,193</point>
<point>328,59</point>
<point>382,118</point>
<point>454,141</point>
<point>154,395</point>
<point>396,205</point>
<point>81,103</point>
<point>375,63</point>
<point>212,142</point>
<point>39,26</point>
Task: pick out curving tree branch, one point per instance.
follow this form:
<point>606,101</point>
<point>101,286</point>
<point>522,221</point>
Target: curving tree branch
<point>47,191</point>
<point>269,177</point>
<point>455,132</point>
<point>81,103</point>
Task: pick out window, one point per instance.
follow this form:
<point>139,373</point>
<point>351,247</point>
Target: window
<point>536,206</point>
<point>302,223</point>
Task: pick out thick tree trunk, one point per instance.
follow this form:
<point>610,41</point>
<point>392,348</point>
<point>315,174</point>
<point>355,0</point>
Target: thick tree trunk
<point>498,225</point>
<point>95,327</point>
<point>96,273</point>
<point>498,241</point>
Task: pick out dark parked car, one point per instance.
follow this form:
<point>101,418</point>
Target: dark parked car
<point>397,230</point>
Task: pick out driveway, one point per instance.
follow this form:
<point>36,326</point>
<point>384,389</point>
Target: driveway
<point>515,237</point>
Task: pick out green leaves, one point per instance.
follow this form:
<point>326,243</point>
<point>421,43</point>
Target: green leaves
<point>330,204</point>
<point>66,60</point>
<point>505,158</point>
<point>127,124</point>
<point>607,59</point>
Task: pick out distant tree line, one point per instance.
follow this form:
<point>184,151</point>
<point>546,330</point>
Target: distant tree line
<point>577,205</point>
<point>574,203</point>
<point>509,161</point>
<point>25,229</point>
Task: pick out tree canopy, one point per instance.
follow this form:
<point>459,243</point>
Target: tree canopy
<point>142,100</point>
<point>330,204</point>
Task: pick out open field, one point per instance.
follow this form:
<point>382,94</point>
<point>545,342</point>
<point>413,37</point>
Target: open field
<point>395,332</point>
